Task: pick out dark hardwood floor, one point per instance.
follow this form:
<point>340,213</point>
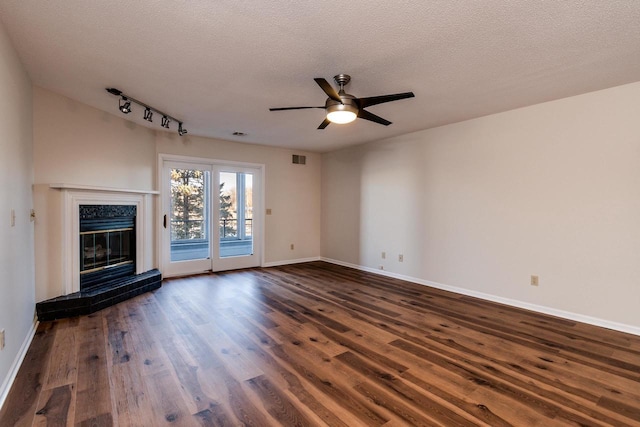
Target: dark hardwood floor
<point>318,344</point>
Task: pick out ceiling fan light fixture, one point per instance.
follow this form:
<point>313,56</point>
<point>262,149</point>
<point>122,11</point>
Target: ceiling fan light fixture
<point>342,114</point>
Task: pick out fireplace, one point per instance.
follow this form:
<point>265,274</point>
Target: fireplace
<point>105,254</point>
<point>107,243</point>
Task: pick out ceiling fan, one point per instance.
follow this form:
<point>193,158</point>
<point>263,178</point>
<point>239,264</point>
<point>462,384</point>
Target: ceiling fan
<point>342,107</point>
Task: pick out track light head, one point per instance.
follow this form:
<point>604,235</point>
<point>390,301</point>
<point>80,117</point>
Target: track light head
<point>148,115</point>
<point>165,122</point>
<point>126,107</point>
<point>181,130</point>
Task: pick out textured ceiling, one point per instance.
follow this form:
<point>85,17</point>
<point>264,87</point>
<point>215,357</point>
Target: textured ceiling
<point>220,65</point>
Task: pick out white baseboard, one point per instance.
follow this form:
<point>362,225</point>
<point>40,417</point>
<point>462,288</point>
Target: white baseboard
<point>290,261</point>
<point>15,367</point>
<point>622,327</point>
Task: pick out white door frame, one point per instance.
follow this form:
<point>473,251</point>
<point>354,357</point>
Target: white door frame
<point>162,248</point>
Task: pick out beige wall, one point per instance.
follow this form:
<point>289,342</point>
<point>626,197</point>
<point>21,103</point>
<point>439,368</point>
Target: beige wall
<point>549,190</point>
<point>78,144</point>
<point>16,242</point>
<point>292,192</point>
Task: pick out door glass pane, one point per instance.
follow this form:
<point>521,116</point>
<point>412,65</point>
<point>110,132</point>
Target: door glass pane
<point>189,216</point>
<point>236,215</point>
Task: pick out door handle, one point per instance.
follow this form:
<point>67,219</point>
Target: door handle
<point>164,221</point>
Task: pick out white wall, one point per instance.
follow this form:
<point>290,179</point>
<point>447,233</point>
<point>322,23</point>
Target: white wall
<point>16,243</point>
<point>292,192</point>
<point>551,190</point>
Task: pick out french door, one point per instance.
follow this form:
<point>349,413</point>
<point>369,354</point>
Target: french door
<point>237,207</point>
<point>211,217</point>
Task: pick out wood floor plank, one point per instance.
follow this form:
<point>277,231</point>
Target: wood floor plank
<point>130,392</point>
<point>63,364</point>
<point>21,403</point>
<point>165,404</point>
<point>318,344</point>
<point>277,403</point>
<point>56,407</point>
<point>146,351</point>
<point>92,388</point>
<point>234,359</point>
<point>314,336</point>
<point>214,416</point>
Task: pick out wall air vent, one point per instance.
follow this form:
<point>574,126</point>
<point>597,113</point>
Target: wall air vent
<point>299,160</point>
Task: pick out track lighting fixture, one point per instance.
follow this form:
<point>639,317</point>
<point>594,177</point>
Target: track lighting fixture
<point>148,114</point>
<point>124,105</point>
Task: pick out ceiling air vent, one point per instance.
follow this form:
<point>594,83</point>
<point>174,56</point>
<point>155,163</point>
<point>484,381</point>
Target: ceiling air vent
<point>298,160</point>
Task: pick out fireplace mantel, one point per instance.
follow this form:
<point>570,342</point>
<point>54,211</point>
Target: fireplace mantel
<point>78,187</point>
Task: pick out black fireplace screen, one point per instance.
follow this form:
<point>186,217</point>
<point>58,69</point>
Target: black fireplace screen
<point>105,249</point>
<point>107,243</point>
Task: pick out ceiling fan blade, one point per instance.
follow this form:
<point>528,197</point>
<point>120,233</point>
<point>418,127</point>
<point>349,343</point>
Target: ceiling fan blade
<point>373,100</point>
<point>362,114</point>
<point>328,89</point>
<point>292,108</point>
<point>324,124</point>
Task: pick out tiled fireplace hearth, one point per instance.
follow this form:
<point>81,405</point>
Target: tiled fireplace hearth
<point>105,248</point>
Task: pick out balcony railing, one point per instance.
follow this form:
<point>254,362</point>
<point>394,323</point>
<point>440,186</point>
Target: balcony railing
<point>229,228</point>
<point>191,229</point>
<point>195,229</point>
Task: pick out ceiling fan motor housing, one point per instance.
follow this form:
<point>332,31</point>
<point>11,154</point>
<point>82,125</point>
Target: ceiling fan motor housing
<point>349,103</point>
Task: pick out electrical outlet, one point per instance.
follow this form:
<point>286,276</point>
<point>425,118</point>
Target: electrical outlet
<point>382,267</point>
<point>292,246</point>
<point>384,255</point>
<point>1,339</point>
<point>534,280</point>
<point>400,258</point>
<point>268,211</point>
